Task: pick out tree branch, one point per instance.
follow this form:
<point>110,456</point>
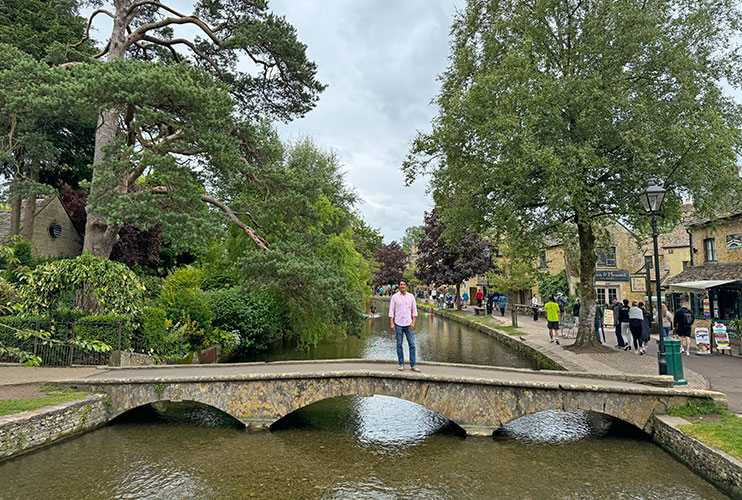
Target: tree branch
<point>86,36</point>
<point>260,242</point>
<point>183,41</point>
<point>143,29</point>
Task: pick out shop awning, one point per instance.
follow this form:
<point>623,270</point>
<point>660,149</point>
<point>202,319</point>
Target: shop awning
<point>691,286</point>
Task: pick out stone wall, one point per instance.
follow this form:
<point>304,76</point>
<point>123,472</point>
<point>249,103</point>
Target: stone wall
<point>719,231</point>
<point>717,467</point>
<point>22,432</point>
<point>67,244</point>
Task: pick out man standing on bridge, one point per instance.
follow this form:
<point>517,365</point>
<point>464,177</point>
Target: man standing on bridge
<point>402,315</point>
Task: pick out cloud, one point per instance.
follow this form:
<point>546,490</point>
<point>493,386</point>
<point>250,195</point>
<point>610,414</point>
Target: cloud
<point>380,60</point>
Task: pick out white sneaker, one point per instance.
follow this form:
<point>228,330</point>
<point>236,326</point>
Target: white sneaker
<point>681,350</point>
<point>687,353</point>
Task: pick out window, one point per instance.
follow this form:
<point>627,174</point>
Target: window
<point>669,250</point>
<point>709,246</point>
<point>686,263</point>
<point>542,260</point>
<point>606,257</point>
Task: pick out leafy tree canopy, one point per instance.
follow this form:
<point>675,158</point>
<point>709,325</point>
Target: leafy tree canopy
<point>392,261</point>
<point>559,113</point>
<point>411,237</point>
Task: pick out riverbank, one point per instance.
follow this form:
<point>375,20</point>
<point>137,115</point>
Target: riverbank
<point>716,466</point>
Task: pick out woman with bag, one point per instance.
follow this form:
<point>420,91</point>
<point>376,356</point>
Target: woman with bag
<point>666,321</point>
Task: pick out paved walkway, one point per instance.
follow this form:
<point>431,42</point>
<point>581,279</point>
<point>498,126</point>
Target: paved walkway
<point>716,372</point>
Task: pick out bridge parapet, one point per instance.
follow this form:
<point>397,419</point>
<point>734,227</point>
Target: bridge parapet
<point>479,399</point>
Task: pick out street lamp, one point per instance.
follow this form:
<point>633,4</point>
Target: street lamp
<point>652,198</point>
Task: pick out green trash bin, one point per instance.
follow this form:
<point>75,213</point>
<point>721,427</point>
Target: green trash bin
<point>674,360</point>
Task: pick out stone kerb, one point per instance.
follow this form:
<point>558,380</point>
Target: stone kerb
<point>480,406</point>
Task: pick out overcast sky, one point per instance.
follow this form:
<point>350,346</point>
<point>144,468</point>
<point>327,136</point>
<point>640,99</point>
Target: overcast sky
<point>380,60</point>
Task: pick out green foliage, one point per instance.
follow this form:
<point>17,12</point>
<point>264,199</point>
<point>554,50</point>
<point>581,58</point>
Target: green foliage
<point>152,286</point>
<point>556,114</point>
<point>183,278</point>
<point>411,237</point>
<point>152,329</point>
<point>10,406</point>
<point>696,407</point>
<point>19,259</point>
<point>553,285</point>
<point>254,314</point>
<point>105,328</point>
<point>9,297</point>
<point>514,270</point>
<point>113,285</point>
<point>191,302</point>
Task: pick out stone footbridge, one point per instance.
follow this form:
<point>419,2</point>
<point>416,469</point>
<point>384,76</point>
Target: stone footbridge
<point>480,399</point>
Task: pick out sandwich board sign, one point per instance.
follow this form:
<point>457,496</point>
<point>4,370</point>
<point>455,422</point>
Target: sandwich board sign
<point>721,338</point>
<point>703,343</point>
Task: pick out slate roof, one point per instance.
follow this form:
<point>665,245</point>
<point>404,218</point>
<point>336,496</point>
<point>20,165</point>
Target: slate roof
<point>708,271</point>
<point>677,238</point>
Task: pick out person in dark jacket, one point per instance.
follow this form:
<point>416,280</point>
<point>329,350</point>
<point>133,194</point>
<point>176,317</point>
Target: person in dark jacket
<point>623,318</point>
<point>683,321</point>
<point>576,312</point>
<point>615,307</point>
<point>646,326</point>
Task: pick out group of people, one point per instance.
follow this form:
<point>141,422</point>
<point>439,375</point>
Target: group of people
<point>632,322</point>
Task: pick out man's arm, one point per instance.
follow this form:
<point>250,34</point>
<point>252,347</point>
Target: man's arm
<point>391,313</point>
<point>414,314</point>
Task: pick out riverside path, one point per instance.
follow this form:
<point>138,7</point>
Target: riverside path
<point>480,399</point>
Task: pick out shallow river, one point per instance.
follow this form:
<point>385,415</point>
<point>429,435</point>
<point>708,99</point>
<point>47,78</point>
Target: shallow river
<point>376,448</point>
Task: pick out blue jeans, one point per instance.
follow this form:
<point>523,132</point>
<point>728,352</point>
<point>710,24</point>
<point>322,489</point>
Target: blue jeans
<point>665,330</point>
<point>410,334</point>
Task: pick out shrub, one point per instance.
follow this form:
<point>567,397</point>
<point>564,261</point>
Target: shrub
<point>106,329</point>
<point>114,286</point>
<point>22,259</point>
<point>254,314</point>
<point>551,286</point>
<point>220,279</point>
<point>153,329</point>
<point>185,277</point>
<point>9,297</point>
<point>192,302</point>
<point>152,286</point>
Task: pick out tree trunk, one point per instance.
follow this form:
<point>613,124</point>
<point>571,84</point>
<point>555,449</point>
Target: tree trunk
<point>586,331</point>
<point>458,297</point>
<point>100,237</point>
<point>29,214</point>
<point>15,212</point>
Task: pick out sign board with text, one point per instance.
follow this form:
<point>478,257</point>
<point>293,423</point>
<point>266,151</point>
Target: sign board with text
<point>618,275</point>
<point>703,343</point>
<point>721,337</point>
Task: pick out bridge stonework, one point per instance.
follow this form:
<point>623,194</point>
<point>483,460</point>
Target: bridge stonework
<point>479,406</point>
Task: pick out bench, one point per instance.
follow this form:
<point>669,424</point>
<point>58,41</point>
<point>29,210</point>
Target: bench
<point>479,310</point>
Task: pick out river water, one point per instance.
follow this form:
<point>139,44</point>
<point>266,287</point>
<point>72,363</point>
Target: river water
<point>375,448</point>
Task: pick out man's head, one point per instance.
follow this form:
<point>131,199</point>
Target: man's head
<point>684,303</point>
<point>634,303</point>
<point>403,286</point>
<point>626,302</point>
<point>551,299</point>
<point>614,300</point>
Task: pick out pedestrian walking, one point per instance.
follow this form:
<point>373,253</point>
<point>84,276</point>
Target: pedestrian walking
<point>402,316</point>
<point>479,296</point>
<point>646,325</point>
<point>502,302</point>
<point>534,307</point>
<point>561,302</point>
<point>465,297</point>
<point>616,307</point>
<point>623,318</point>
<point>636,320</point>
<point>491,299</point>
<point>599,320</point>
<point>576,312</point>
<point>666,321</point>
<point>683,321</point>
<point>552,320</point>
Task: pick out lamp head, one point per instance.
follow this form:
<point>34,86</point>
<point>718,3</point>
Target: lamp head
<point>652,198</point>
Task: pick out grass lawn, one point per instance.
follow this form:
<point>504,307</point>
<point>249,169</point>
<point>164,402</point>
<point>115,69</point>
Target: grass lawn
<point>712,425</point>
<point>54,396</point>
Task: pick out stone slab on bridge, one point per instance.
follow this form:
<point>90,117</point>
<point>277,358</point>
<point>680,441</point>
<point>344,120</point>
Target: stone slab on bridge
<point>480,399</point>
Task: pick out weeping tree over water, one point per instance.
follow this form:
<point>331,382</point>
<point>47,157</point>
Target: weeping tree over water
<point>558,113</point>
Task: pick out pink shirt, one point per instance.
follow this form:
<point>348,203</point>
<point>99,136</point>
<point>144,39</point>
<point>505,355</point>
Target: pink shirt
<point>403,308</point>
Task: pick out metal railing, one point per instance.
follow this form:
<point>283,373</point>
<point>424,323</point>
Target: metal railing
<point>55,354</point>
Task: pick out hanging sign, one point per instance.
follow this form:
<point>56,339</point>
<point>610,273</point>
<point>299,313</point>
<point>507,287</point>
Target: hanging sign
<point>706,307</point>
<point>703,343</point>
<point>721,338</point>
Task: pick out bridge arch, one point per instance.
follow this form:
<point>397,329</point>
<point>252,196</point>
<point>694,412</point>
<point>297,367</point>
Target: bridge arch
<point>477,405</point>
